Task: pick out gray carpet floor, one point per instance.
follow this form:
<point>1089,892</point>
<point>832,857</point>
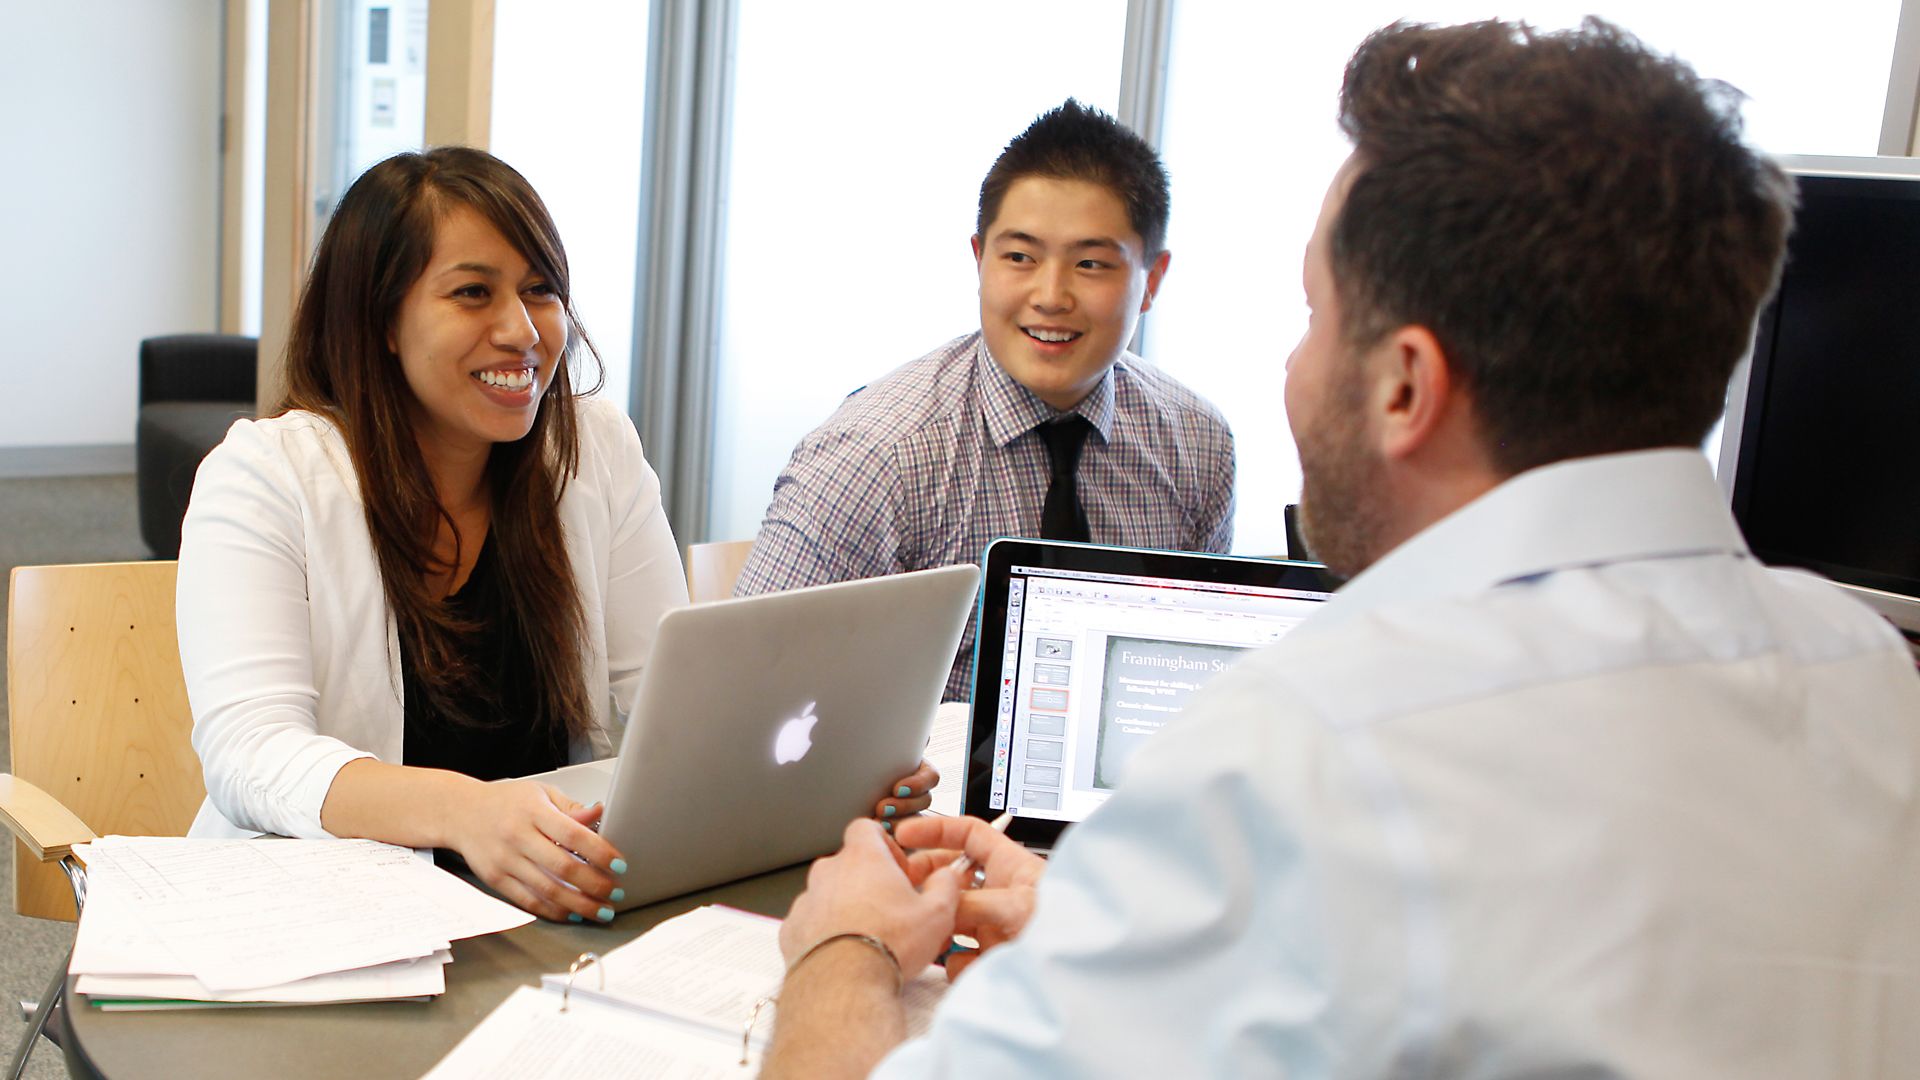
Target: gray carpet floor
<point>49,520</point>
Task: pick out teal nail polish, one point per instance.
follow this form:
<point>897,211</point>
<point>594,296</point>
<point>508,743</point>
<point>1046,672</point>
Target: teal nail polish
<point>887,825</point>
<point>605,914</point>
<point>574,916</point>
<point>618,895</point>
<point>902,792</point>
<point>618,866</point>
<point>887,811</point>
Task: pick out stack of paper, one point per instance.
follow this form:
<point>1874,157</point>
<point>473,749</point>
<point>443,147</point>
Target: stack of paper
<point>170,921</point>
<point>947,750</point>
<point>672,1003</point>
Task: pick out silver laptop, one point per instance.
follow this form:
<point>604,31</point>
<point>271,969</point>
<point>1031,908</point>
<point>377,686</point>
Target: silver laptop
<point>764,725</point>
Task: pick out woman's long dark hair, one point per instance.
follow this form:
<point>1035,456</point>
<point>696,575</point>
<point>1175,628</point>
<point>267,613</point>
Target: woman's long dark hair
<point>338,365</point>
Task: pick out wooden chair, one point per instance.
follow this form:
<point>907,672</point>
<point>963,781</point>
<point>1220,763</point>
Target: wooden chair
<point>713,568</point>
<point>100,728</point>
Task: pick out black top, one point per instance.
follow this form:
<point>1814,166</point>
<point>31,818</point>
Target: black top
<point>507,732</point>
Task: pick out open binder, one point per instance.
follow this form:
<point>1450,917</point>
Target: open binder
<point>674,1002</point>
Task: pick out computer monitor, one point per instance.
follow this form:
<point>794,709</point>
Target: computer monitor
<point>1085,652</point>
<point>1821,452</point>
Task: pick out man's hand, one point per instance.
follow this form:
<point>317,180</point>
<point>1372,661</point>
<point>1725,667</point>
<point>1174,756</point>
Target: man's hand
<point>864,890</point>
<point>521,838</point>
<point>1000,908</point>
<point>839,1013</point>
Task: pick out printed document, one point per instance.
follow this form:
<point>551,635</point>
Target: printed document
<point>243,915</point>
<point>680,995</point>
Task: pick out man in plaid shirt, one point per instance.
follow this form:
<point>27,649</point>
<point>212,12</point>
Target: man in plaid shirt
<point>928,464</point>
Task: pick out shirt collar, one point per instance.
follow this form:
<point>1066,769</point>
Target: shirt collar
<point>1012,410</point>
<point>1582,512</point>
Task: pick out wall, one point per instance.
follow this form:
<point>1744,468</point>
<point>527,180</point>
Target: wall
<point>109,205</point>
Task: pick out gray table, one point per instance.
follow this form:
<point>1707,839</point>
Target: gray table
<point>381,1039</point>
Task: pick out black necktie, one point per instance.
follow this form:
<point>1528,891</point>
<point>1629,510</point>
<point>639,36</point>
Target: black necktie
<point>1060,516</point>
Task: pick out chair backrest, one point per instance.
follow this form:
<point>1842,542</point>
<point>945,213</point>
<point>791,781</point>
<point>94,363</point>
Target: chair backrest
<point>98,708</point>
<point>199,367</point>
<point>1296,540</point>
<point>713,568</point>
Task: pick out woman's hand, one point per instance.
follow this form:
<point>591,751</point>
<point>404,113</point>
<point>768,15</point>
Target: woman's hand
<point>908,796</point>
<point>534,846</point>
<point>526,840</point>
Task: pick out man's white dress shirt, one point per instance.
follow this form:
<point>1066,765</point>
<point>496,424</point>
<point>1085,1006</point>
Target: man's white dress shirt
<point>1565,785</point>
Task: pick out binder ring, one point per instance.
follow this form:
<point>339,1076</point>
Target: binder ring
<point>746,1036</point>
<point>581,961</point>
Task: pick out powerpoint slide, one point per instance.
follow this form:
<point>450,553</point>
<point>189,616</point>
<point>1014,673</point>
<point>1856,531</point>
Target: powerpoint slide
<point>1147,682</point>
<point>1053,700</point>
<point>1049,648</point>
<point>1042,724</point>
<point>1052,674</point>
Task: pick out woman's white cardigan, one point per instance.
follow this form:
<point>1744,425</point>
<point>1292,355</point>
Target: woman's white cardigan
<point>291,657</point>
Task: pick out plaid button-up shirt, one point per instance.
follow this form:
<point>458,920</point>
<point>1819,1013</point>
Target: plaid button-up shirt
<point>927,465</point>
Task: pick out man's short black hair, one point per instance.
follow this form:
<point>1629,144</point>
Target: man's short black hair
<point>1074,142</point>
<point>1574,217</point>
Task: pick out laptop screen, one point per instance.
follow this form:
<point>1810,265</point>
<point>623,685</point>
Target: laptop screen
<point>1085,653</point>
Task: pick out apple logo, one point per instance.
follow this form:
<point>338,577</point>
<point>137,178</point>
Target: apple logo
<point>795,738</point>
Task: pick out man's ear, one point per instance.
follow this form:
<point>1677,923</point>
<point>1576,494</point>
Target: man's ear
<point>1156,270</point>
<point>975,242</point>
<point>1419,390</point>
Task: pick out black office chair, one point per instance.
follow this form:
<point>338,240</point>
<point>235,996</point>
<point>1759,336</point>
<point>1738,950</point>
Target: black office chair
<point>192,388</point>
<point>1296,543</point>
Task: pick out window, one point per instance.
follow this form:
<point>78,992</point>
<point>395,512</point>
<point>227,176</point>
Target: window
<point>569,87</point>
<point>371,102</point>
<point>860,138</point>
<point>1251,143</point>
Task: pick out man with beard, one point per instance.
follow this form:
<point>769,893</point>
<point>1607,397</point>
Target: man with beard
<point>1562,782</point>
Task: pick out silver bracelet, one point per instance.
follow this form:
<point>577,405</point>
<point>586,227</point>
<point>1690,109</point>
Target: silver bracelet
<point>874,943</point>
<point>753,1015</point>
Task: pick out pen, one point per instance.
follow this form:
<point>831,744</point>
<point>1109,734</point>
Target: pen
<point>963,864</point>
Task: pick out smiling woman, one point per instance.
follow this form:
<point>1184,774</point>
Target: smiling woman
<point>439,564</point>
<point>478,336</point>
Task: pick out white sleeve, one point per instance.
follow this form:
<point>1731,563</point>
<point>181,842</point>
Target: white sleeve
<point>645,578</point>
<point>246,643</point>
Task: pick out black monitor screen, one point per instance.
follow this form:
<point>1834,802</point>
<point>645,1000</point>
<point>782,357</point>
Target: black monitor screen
<point>1828,475</point>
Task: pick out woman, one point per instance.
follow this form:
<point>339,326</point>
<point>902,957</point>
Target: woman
<point>433,473</point>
